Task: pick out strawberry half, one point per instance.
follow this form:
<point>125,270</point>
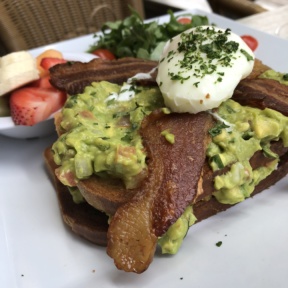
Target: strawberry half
<point>43,82</point>
<point>48,62</point>
<point>32,105</point>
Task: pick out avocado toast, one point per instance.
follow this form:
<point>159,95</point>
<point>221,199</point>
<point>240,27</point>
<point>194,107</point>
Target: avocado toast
<point>171,183</point>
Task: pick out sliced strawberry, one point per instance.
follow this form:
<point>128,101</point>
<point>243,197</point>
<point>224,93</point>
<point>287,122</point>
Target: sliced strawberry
<point>31,105</point>
<point>42,82</point>
<point>47,62</point>
<point>57,98</point>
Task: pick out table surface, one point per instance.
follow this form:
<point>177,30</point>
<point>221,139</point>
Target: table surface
<point>185,4</point>
<point>269,21</point>
<point>271,4</point>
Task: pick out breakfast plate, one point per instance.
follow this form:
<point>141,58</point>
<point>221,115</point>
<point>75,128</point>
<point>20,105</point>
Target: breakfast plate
<point>44,128</point>
<point>38,251</point>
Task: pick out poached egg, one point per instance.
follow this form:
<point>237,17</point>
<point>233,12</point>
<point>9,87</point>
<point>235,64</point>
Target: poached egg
<point>201,67</point>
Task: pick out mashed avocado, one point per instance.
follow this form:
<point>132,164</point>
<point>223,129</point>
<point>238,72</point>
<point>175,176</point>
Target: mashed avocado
<point>246,130</point>
<point>101,133</point>
<point>172,240</point>
<point>271,74</point>
<point>168,136</point>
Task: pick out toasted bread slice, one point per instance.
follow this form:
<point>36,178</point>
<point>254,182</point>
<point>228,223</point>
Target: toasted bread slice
<point>82,218</point>
<point>92,224</point>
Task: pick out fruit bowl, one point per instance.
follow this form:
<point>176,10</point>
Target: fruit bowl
<point>43,128</point>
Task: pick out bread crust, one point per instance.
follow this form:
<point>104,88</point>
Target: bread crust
<point>83,219</point>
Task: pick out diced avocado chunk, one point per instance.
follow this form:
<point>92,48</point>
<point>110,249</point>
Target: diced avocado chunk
<point>76,195</point>
<point>265,127</point>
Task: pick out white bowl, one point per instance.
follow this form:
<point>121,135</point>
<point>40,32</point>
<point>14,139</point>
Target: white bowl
<point>46,127</point>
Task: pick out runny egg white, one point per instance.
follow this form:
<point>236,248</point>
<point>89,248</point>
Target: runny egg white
<point>201,67</point>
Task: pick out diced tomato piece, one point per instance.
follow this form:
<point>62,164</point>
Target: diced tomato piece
<point>67,178</point>
<point>104,54</point>
<point>184,20</point>
<point>31,105</point>
<point>48,62</point>
<point>250,41</point>
<point>43,82</point>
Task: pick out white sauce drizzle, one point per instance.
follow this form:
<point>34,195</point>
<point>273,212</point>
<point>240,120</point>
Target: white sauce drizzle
<point>217,117</point>
<point>127,92</point>
<point>140,76</point>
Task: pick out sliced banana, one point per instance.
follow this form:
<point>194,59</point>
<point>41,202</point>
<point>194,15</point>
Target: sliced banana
<point>16,70</point>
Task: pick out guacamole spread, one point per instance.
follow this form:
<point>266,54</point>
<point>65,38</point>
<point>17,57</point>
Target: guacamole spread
<point>172,240</point>
<point>243,131</point>
<point>101,133</point>
<point>271,74</point>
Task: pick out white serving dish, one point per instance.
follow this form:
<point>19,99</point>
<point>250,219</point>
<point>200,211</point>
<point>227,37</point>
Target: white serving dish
<point>38,251</point>
<point>46,127</point>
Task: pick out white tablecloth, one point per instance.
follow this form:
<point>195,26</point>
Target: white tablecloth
<point>269,21</point>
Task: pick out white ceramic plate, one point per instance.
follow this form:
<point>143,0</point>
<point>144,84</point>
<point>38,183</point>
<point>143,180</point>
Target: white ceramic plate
<point>38,251</point>
<point>44,128</point>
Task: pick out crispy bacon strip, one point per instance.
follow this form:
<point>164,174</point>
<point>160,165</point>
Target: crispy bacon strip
<point>73,77</point>
<point>174,171</point>
<point>262,93</point>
